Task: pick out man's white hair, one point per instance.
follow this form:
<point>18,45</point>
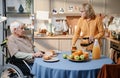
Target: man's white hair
<point>15,24</point>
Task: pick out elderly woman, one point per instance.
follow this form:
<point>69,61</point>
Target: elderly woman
<point>89,27</point>
<point>20,45</point>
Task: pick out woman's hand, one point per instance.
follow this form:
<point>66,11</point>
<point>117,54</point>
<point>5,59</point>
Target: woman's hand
<point>74,47</point>
<point>91,39</point>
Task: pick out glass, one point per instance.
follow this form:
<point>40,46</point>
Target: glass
<point>84,44</point>
<point>74,48</point>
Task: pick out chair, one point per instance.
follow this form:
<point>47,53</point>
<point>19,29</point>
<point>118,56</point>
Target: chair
<point>109,71</point>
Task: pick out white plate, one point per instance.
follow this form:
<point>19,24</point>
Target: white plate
<point>57,51</point>
<point>54,59</point>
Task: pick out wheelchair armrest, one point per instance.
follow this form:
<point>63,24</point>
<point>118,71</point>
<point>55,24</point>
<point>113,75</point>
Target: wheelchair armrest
<point>4,43</point>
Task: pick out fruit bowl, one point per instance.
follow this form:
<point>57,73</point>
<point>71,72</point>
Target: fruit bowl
<point>77,56</point>
<point>85,60</point>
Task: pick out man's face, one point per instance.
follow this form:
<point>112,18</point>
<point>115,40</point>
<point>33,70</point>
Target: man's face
<point>20,31</point>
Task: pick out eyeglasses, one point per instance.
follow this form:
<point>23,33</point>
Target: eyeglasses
<point>82,11</point>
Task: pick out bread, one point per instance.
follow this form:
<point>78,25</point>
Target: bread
<point>46,57</point>
<point>53,52</point>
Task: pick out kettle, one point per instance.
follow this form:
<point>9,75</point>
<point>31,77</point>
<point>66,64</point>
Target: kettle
<point>115,35</point>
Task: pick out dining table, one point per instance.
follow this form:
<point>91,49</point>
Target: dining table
<point>65,68</point>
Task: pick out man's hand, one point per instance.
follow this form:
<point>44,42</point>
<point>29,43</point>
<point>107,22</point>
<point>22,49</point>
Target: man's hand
<point>38,54</point>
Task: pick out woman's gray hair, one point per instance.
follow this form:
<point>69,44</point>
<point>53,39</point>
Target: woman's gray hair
<point>15,24</point>
<point>89,10</point>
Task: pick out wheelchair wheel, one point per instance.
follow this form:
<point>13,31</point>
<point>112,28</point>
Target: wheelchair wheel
<point>11,71</point>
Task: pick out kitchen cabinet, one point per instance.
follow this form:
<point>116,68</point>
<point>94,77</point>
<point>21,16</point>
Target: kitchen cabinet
<point>65,44</point>
<point>112,7</point>
<point>62,43</point>
<point>99,6</point>
<point>47,44</point>
<point>106,6</point>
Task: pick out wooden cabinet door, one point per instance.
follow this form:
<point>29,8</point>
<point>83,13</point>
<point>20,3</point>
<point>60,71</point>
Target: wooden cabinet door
<point>65,44</point>
<point>47,44</point>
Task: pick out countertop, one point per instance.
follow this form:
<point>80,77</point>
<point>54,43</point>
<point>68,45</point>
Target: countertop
<point>113,40</point>
<point>54,37</point>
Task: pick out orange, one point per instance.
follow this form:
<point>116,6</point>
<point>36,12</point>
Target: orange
<point>86,55</point>
<point>80,52</point>
<point>75,53</point>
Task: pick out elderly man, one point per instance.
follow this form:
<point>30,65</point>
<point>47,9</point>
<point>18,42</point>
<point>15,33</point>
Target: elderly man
<point>19,45</point>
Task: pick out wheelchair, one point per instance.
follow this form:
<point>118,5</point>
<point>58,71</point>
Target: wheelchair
<point>14,67</point>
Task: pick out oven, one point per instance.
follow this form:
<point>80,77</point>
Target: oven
<point>115,53</point>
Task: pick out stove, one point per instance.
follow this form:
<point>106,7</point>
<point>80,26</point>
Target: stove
<point>115,46</point>
<point>115,52</point>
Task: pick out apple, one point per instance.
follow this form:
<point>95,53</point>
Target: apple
<point>71,56</point>
<point>82,57</point>
<point>76,57</point>
<point>65,56</point>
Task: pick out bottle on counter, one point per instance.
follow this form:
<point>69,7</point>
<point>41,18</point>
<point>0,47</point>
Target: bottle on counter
<point>96,50</point>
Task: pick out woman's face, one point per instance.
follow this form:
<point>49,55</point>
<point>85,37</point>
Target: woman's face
<point>20,31</point>
<point>83,13</point>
